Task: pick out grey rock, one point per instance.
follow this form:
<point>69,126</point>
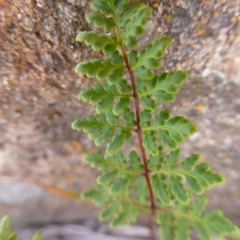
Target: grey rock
<point>14,193</point>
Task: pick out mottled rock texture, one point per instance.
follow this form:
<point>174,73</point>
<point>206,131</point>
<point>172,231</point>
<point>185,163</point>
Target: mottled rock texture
<point>38,101</point>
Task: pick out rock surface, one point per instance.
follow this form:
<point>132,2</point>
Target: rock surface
<point>38,101</point>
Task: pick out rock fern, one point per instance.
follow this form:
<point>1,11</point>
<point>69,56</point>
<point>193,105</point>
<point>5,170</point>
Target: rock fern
<point>153,179</point>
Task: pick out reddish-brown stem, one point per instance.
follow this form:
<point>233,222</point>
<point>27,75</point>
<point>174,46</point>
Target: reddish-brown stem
<point>139,132</point>
<point>140,141</point>
<point>138,129</point>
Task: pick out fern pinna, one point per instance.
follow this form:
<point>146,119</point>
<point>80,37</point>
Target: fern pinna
<point>149,180</point>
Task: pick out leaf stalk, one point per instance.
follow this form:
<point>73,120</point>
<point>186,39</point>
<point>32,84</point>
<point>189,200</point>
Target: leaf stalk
<point>137,115</point>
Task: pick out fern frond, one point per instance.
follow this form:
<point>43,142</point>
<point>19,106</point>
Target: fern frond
<point>158,184</point>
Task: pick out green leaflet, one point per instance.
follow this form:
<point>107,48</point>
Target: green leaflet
<point>202,230</point>
<point>119,160</point>
<point>121,187</point>
<point>6,229</point>
<point>174,130</point>
<point>148,103</point>
<point>97,195</point>
<point>126,215</point>
<point>171,131</point>
<point>145,117</point>
<point>144,73</point>
<point>172,159</point>
<point>179,223</point>
<point>96,160</point>
<point>183,208</point>
<point>155,162</point>
<point>134,161</point>
<point>131,42</point>
<point>178,189</point>
<point>149,137</point>
<point>199,206</point>
<point>133,58</point>
<point>135,19</point>
<point>101,6</point>
<point>102,96</point>
<point>149,57</point>
<point>117,174</point>
<point>166,222</point>
<point>212,223</point>
<point>160,189</point>
<point>205,177</point>
<point>218,224</point>
<point>194,185</point>
<point>110,211</point>
<point>116,164</point>
<point>99,20</point>
<point>112,69</point>
<point>102,126</point>
<point>107,44</point>
<point>205,180</point>
<point>182,230</point>
<point>139,19</point>
<point>120,106</point>
<point>164,87</point>
<point>119,213</point>
<point>107,176</point>
<point>202,173</point>
<point>149,143</point>
<point>37,236</point>
<point>117,142</point>
<point>142,191</point>
<point>120,6</point>
<point>189,169</point>
<point>190,162</point>
<point>128,13</point>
